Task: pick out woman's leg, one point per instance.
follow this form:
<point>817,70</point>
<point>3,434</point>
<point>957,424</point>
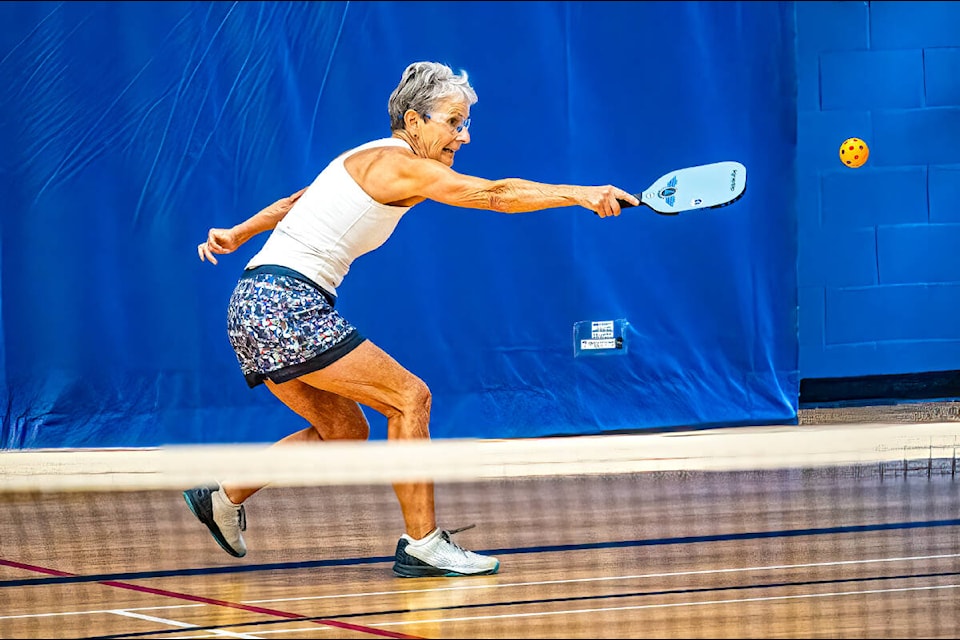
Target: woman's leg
<point>331,417</point>
<point>369,375</point>
<point>328,399</point>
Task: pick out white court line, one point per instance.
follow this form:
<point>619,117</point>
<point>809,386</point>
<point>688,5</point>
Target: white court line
<point>640,576</point>
<point>661,606</point>
<point>629,608</point>
<point>535,583</point>
<point>84,613</point>
<point>182,625</point>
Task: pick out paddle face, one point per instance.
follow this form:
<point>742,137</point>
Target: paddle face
<point>707,186</point>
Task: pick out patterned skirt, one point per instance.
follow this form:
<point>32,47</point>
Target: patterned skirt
<point>282,326</point>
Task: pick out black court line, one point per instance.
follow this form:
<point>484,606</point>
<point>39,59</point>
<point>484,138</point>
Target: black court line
<point>544,601</point>
<point>189,597</point>
<point>617,544</point>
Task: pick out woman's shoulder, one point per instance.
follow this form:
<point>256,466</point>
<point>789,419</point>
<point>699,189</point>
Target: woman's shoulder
<point>381,142</point>
<point>375,147</point>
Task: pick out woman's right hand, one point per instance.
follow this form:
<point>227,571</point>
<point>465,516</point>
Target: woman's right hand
<point>603,200</point>
<point>218,241</point>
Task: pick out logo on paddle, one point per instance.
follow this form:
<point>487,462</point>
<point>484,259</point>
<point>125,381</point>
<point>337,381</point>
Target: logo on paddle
<point>669,192</point>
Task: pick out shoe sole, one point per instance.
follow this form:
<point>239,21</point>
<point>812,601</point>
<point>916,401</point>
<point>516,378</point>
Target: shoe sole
<point>424,571</point>
<point>207,519</point>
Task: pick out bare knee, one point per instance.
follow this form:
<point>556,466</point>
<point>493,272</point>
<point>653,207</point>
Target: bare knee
<point>415,398</point>
<point>410,418</point>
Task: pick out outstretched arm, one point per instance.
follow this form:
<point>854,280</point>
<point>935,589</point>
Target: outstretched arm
<point>400,175</point>
<point>228,240</point>
<point>516,195</point>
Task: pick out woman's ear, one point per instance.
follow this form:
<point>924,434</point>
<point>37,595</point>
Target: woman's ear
<point>411,120</point>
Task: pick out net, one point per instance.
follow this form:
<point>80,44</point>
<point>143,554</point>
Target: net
<point>818,530</point>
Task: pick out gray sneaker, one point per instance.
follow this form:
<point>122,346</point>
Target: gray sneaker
<point>438,556</point>
<point>224,519</point>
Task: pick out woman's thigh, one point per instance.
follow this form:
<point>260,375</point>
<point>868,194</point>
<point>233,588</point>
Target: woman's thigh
<point>333,417</point>
<point>370,376</point>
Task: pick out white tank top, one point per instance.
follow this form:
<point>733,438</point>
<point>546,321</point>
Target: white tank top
<point>332,224</point>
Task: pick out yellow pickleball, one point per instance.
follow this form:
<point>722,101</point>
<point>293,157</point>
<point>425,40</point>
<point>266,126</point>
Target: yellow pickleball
<point>854,152</point>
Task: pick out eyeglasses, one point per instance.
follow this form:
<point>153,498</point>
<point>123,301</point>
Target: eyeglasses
<point>453,127</point>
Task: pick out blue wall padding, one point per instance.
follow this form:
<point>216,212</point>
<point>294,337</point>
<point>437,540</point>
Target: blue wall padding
<point>918,253</point>
<point>942,74</point>
<point>900,313</point>
<point>131,128</point>
<point>825,26</point>
<point>914,355</point>
<point>817,149</point>
<point>886,72</point>
<point>887,196</point>
<point>911,25</point>
<point>923,137</point>
<point>848,80</point>
<point>847,256</point>
<point>943,192</point>
<point>812,311</point>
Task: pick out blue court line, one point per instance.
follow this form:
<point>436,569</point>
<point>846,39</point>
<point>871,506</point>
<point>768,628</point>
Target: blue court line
<point>539,601</point>
<point>618,544</point>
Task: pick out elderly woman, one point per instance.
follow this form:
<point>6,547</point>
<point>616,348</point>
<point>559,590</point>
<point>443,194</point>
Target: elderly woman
<point>281,317</point>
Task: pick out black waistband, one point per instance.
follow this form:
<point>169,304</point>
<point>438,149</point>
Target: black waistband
<point>277,270</point>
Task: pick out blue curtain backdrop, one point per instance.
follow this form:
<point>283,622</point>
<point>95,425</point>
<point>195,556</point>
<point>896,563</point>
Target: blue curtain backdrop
<point>130,128</point>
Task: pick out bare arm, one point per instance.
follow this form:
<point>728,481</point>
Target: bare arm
<point>228,240</point>
<point>511,195</point>
<point>411,176</point>
<point>265,219</point>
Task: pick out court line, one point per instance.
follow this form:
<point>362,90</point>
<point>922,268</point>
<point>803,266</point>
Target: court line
<point>213,601</point>
<point>665,605</point>
<point>88,612</point>
<point>182,625</point>
<point>638,576</point>
<point>656,593</point>
<point>472,587</point>
<point>542,601</point>
<point>636,607</point>
<point>614,544</point>
<point>630,608</point>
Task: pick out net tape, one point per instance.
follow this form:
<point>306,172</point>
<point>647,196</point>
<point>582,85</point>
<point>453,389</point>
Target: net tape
<point>453,460</point>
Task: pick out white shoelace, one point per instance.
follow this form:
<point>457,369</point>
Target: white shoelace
<point>446,533</point>
<point>242,518</point>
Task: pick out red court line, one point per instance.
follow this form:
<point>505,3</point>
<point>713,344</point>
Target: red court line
<point>219,603</point>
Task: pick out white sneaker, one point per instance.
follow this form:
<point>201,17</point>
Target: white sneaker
<point>438,556</point>
<point>224,519</point>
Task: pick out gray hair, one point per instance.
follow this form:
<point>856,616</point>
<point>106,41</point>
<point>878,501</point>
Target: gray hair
<point>422,86</point>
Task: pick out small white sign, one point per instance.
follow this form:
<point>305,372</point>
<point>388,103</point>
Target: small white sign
<point>601,329</point>
<point>598,344</point>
